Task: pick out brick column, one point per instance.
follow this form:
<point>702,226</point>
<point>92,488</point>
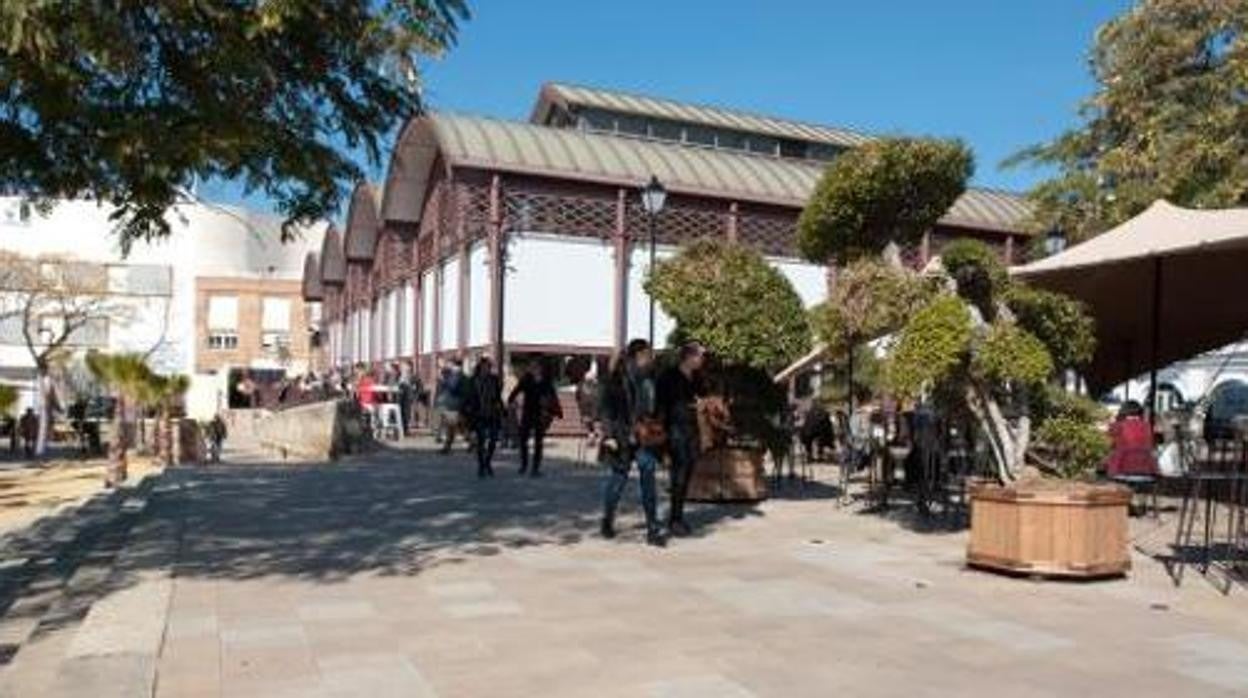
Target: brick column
<point>733,219</point>
<point>619,239</point>
<point>497,270</point>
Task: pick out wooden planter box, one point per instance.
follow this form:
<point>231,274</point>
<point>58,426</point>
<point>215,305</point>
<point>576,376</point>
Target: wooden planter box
<point>729,475</point>
<point>1050,529</point>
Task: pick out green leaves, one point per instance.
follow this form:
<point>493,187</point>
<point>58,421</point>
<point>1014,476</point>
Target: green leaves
<point>1077,447</point>
<point>1167,120</point>
<point>132,102</point>
<point>1007,354</point>
<point>1058,321</point>
<point>729,298</point>
<point>977,271</point>
<point>890,190</point>
<point>869,300</point>
<point>932,346</point>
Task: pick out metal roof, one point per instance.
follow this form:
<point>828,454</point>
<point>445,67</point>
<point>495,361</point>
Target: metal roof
<point>566,95</point>
<point>573,154</point>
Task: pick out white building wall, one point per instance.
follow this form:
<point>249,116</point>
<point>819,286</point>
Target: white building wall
<point>479,299</point>
<point>559,291</point>
<point>638,302</point>
<point>409,319</point>
<point>449,280</point>
<point>204,240</point>
<point>809,280</point>
<point>427,281</point>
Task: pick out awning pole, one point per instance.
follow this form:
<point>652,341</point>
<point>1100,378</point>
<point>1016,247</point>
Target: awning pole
<point>1152,373</point>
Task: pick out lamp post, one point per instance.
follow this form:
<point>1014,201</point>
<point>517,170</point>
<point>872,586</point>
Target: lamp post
<point>1054,241</point>
<point>653,196</point>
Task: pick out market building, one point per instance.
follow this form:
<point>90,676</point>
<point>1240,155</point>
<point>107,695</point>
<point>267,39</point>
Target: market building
<point>513,238</point>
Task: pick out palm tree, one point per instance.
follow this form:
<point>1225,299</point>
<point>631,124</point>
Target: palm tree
<point>167,390</point>
<point>129,377</point>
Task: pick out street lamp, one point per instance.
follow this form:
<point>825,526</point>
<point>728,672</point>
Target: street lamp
<point>653,196</point>
<point>1054,241</point>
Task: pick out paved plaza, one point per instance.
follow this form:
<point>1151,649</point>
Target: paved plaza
<point>401,574</point>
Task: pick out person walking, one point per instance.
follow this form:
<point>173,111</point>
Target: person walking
<point>28,425</point>
<point>217,434</point>
<point>484,410</point>
<point>538,409</point>
<point>677,407</point>
<point>449,401</point>
<point>630,432</point>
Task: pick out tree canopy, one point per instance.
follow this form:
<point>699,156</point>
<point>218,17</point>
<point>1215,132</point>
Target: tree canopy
<point>889,190</point>
<point>729,298</point>
<point>132,102</point>
<point>869,300</point>
<point>1166,121</point>
<point>986,347</point>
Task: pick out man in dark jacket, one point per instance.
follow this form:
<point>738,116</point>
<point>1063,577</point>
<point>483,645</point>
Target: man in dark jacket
<point>484,409</point>
<point>626,398</point>
<point>677,406</point>
<point>540,407</point>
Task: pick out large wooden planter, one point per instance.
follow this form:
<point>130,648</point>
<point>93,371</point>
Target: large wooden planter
<point>1050,529</point>
<point>729,475</point>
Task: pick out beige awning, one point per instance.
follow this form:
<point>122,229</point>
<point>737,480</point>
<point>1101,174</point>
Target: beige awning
<point>1167,285</point>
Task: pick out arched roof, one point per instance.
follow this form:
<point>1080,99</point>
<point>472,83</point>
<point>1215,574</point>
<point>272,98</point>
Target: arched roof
<point>333,262</point>
<point>363,223</point>
<point>410,171</point>
<point>313,290</point>
<point>524,148</point>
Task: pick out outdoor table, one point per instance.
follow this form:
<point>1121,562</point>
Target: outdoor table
<point>1203,486</point>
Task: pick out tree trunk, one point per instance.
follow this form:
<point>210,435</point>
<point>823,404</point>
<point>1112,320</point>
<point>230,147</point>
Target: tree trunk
<point>42,409</point>
<point>1008,444</point>
<point>117,466</point>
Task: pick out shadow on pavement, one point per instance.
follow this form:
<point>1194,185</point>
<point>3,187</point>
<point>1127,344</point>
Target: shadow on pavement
<point>392,513</point>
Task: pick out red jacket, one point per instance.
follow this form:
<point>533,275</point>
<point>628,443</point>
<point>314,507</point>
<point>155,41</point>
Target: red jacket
<point>1133,448</point>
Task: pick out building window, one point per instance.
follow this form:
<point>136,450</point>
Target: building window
<point>223,340</point>
<point>700,135</point>
<point>792,149</point>
<point>223,322</point>
<point>273,341</point>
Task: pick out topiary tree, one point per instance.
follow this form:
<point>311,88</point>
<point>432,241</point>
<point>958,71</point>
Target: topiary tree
<point>968,351</point>
<point>888,191</point>
<point>729,298</point>
<point>870,299</point>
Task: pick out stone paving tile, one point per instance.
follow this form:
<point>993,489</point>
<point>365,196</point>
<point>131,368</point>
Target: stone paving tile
<point>712,686</point>
<point>344,610</point>
<point>376,675</point>
<point>1211,659</point>
<point>401,575</point>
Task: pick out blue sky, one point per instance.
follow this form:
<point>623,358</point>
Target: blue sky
<point>1001,74</point>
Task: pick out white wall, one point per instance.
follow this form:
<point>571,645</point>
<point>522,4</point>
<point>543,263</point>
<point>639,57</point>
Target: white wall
<point>450,303</point>
<point>638,309</point>
<point>479,301</point>
<point>809,280</point>
<point>559,291</point>
<point>427,281</point>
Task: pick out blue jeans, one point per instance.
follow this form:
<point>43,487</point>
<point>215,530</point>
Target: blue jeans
<point>617,478</point>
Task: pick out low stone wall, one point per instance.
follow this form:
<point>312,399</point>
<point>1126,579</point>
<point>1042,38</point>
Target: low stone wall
<point>316,431</point>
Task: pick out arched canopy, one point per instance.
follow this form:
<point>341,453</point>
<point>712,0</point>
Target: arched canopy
<point>507,146</point>
<point>333,262</point>
<point>410,171</point>
<point>363,223</point>
<point>313,290</point>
